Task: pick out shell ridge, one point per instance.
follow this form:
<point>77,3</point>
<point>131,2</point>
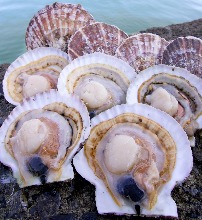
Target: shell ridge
<point>44,25</point>
<point>142,50</point>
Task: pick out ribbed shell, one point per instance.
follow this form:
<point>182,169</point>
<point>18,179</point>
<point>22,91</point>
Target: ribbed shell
<point>53,25</point>
<point>185,52</point>
<point>69,107</point>
<point>174,139</point>
<point>30,62</point>
<point>142,50</point>
<point>97,37</point>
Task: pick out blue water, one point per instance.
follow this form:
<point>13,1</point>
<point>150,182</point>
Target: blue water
<point>131,16</point>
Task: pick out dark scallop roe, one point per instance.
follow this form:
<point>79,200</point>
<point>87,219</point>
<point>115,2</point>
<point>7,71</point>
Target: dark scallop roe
<point>128,188</point>
<point>92,114</point>
<point>36,166</point>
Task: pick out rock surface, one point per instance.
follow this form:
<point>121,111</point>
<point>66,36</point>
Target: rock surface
<point>76,199</point>
<point>193,28</point>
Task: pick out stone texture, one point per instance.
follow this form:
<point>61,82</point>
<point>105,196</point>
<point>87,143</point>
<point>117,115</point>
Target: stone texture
<point>76,199</point>
<point>193,28</point>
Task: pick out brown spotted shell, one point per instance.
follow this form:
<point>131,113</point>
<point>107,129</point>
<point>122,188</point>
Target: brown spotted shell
<point>142,50</point>
<point>53,25</point>
<point>185,52</point>
<point>97,37</point>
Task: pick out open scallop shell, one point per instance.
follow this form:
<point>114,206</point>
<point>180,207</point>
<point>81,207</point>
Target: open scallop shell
<point>180,83</point>
<point>42,61</point>
<point>97,37</point>
<point>100,80</point>
<point>68,114</point>
<point>142,50</point>
<point>155,129</point>
<point>185,52</point>
<point>53,25</point>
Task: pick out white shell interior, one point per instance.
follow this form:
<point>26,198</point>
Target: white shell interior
<point>183,166</point>
<point>132,93</point>
<point>26,58</point>
<point>37,102</point>
<point>94,58</point>
<point>143,76</point>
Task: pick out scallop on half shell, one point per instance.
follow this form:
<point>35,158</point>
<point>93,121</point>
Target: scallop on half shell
<point>173,90</point>
<point>185,52</point>
<point>33,72</point>
<point>53,25</point>
<point>40,137</point>
<point>96,37</point>
<point>135,155</point>
<point>142,50</point>
<point>100,80</point>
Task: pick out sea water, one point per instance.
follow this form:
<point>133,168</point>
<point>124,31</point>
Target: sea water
<point>129,15</point>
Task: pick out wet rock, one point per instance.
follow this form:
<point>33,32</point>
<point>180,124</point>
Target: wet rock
<point>63,217</point>
<point>46,204</point>
<point>89,216</point>
<point>2,201</point>
<point>1,89</point>
<point>193,28</point>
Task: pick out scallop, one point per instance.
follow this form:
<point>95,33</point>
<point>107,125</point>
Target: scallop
<point>101,81</point>
<point>53,25</point>
<point>33,72</point>
<point>142,50</point>
<point>185,52</point>
<point>135,155</point>
<point>96,37</point>
<point>40,137</point>
<point>173,90</point>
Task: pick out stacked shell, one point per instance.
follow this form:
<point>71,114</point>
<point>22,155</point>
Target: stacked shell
<point>97,37</point>
<point>185,52</point>
<point>100,80</point>
<point>53,25</point>
<point>40,137</point>
<point>173,90</point>
<point>134,155</point>
<point>142,50</point>
<point>34,72</point>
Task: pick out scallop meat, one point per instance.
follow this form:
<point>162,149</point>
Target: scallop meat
<point>40,137</point>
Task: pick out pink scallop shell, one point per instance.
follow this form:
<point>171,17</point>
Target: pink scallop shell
<point>97,37</point>
<point>185,52</point>
<point>53,25</point>
<point>142,50</point>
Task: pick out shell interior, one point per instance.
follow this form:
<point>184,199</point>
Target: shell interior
<point>33,72</point>
<point>100,80</point>
<point>41,136</point>
<point>159,164</point>
<point>178,83</point>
